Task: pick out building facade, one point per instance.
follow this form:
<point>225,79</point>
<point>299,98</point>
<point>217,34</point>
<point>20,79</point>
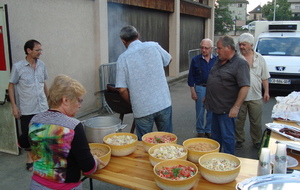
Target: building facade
<point>78,36</point>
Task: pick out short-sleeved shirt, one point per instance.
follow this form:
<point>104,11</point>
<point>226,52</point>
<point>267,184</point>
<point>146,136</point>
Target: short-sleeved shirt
<point>29,85</point>
<point>199,70</point>
<point>224,83</point>
<point>141,69</point>
<point>258,73</point>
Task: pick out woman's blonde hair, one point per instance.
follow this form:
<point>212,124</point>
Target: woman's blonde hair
<point>64,86</point>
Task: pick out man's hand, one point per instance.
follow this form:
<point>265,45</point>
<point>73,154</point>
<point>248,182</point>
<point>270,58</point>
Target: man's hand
<point>234,111</point>
<point>193,93</point>
<point>16,112</point>
<point>266,97</point>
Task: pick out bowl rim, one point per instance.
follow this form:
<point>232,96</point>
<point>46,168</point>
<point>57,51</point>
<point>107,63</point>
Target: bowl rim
<point>220,153</point>
<point>191,163</point>
<point>159,132</point>
<point>119,134</point>
<point>186,141</point>
<point>109,149</point>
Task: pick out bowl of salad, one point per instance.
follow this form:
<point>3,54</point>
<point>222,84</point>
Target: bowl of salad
<point>166,151</point>
<point>175,174</point>
<point>219,168</point>
<point>103,152</point>
<point>197,147</point>
<point>153,138</point>
<point>121,144</point>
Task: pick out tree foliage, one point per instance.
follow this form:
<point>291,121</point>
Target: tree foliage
<point>223,19</point>
<point>282,11</point>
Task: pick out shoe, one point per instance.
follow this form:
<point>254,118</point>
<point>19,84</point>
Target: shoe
<point>238,145</point>
<point>256,145</point>
<point>201,135</point>
<point>208,135</point>
<point>29,166</point>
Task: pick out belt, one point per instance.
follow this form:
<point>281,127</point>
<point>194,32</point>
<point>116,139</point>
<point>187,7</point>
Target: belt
<point>204,85</point>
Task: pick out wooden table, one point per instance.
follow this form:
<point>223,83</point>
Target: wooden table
<point>136,172</point>
<point>275,136</point>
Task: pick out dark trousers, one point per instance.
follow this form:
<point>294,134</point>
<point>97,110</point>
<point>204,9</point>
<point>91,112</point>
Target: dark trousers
<point>23,138</point>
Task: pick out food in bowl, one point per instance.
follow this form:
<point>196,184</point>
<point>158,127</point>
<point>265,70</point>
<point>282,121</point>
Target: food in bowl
<point>219,167</point>
<point>153,138</point>
<point>178,172</point>
<point>175,174</point>
<point>199,146</point>
<point>161,152</point>
<point>220,164</point>
<point>121,144</point>
<point>102,151</point>
<point>120,140</point>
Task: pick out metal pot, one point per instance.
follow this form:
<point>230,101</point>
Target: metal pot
<point>98,127</point>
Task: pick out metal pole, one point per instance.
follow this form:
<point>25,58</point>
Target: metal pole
<point>274,10</point>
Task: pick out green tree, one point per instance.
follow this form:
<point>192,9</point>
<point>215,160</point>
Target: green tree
<point>282,11</point>
<point>223,19</point>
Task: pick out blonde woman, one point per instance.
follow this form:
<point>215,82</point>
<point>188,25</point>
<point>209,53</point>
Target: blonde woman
<point>59,146</point>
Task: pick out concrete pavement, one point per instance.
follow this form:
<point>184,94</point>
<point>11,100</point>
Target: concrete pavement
<point>14,176</point>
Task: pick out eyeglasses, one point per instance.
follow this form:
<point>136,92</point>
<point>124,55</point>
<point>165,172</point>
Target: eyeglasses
<point>79,100</point>
<point>38,50</point>
<point>206,48</point>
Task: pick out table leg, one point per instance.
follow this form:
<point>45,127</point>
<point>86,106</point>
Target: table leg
<point>91,184</point>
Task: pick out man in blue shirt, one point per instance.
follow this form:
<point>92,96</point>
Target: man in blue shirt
<point>197,79</point>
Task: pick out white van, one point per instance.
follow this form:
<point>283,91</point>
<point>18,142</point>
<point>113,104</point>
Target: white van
<point>280,47</point>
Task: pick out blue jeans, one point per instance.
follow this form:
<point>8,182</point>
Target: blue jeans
<point>222,130</point>
<point>162,119</point>
<point>200,90</point>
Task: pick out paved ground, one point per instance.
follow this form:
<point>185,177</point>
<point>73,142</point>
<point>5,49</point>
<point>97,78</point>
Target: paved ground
<point>12,168</point>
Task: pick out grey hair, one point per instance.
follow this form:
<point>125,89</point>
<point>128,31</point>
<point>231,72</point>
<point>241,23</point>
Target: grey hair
<point>209,40</point>
<point>246,37</point>
<point>129,33</point>
<point>227,41</point>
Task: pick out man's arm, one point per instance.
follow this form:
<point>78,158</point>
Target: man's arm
<point>265,84</point>
<point>193,93</point>
<point>124,92</point>
<point>46,89</point>
<point>11,92</point>
<point>239,101</point>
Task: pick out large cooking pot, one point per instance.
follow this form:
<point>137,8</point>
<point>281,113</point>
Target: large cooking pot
<point>98,127</point>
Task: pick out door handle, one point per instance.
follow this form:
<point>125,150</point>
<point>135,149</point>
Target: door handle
<point>6,98</point>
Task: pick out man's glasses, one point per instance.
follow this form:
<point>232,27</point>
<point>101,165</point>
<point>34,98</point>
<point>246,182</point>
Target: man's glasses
<point>206,48</point>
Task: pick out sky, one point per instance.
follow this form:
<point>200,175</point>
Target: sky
<point>254,3</point>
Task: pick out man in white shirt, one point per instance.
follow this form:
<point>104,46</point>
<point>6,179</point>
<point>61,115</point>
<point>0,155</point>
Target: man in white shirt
<point>142,82</point>
<point>254,101</point>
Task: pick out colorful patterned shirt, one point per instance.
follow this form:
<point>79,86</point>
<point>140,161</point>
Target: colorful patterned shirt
<point>60,150</point>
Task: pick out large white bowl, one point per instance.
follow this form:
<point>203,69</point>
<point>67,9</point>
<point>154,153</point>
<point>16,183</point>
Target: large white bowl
<point>105,149</point>
<point>168,184</point>
<point>121,150</point>
<point>219,177</point>
<point>155,160</point>
<point>195,155</point>
<point>148,145</point>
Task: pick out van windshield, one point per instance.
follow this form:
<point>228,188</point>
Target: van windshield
<point>278,46</point>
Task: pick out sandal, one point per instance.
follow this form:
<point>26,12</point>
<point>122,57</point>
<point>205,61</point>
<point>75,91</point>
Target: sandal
<point>29,166</point>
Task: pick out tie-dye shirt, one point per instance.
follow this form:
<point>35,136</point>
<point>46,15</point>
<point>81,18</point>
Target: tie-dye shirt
<point>60,149</point>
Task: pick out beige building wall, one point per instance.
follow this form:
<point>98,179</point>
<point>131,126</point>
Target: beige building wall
<point>74,38</point>
<point>66,30</point>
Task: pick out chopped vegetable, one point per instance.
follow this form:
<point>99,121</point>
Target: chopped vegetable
<point>176,172</point>
<point>159,139</point>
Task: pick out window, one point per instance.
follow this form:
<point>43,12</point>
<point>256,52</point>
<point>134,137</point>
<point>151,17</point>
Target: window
<point>240,5</point>
<point>279,46</point>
